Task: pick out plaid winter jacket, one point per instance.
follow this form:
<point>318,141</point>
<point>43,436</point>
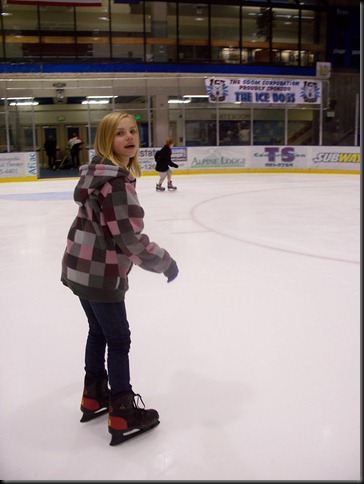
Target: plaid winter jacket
<point>106,238</point>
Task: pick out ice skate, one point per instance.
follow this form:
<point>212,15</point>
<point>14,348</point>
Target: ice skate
<point>159,188</point>
<point>171,187</point>
<point>95,398</point>
<point>127,420</point>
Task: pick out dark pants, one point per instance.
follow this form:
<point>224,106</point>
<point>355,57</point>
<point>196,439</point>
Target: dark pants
<point>51,159</point>
<point>75,157</point>
<point>108,326</point>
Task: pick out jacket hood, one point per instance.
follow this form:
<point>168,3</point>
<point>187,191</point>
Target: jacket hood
<point>95,175</point>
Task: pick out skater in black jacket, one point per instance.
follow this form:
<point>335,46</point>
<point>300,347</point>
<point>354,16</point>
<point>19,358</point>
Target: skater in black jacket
<point>164,161</point>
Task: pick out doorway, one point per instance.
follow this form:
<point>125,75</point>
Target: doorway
<point>46,132</point>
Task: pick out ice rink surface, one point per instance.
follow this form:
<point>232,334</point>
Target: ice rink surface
<point>251,356</point>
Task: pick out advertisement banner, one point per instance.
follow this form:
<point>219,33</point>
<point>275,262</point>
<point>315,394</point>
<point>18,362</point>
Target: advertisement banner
<point>147,161</point>
<point>18,165</point>
<point>335,158</point>
<point>263,91</point>
<point>279,157</point>
<point>217,158</point>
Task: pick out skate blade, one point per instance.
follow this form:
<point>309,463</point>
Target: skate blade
<point>119,439</point>
<point>86,417</point>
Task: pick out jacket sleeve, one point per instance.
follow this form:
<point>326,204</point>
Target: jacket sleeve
<point>169,158</point>
<point>123,216</point>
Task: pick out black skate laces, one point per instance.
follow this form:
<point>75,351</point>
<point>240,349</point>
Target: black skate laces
<point>137,400</point>
<point>140,414</point>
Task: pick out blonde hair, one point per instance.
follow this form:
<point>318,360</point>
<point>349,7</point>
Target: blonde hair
<point>104,140</point>
<point>169,141</point>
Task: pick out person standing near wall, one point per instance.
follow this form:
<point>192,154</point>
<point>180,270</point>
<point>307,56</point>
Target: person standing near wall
<point>50,146</point>
<point>74,144</point>
<point>163,157</point>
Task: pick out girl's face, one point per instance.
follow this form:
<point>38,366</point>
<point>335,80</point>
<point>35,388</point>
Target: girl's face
<point>126,140</point>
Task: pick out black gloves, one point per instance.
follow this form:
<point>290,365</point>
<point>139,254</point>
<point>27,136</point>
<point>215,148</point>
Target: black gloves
<point>174,165</point>
<point>172,271</point>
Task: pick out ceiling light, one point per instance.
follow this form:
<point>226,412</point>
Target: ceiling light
<point>21,101</point>
<point>96,101</point>
<point>196,95</point>
<point>179,101</point>
<point>24,103</point>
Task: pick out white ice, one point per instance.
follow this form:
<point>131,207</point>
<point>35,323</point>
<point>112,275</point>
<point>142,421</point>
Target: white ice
<point>251,356</point>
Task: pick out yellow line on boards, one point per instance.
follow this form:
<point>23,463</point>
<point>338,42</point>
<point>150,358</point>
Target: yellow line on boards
<point>255,170</point>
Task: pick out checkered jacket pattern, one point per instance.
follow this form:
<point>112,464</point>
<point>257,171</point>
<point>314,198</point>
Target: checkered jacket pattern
<point>106,238</point>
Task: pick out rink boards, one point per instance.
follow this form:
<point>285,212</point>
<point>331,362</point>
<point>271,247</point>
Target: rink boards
<point>216,159</point>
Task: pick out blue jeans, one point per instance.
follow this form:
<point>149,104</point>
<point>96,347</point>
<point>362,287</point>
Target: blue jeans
<point>108,326</point>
